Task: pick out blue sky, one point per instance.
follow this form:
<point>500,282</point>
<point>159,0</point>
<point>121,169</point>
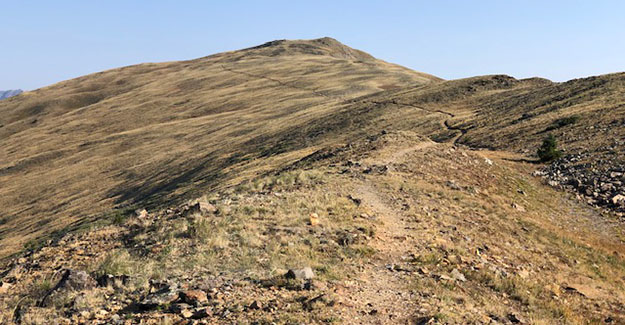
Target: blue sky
<point>44,42</point>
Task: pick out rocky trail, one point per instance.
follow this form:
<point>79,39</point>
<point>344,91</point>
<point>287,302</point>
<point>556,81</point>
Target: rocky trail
<point>381,285</point>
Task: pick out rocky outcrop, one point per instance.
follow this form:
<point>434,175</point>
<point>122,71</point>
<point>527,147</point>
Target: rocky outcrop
<point>9,93</point>
<point>599,183</point>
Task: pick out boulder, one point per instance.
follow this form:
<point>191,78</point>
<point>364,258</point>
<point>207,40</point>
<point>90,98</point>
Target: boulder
<point>167,294</point>
<point>200,207</point>
<point>194,297</point>
<point>71,280</point>
<point>75,281</point>
<point>300,274</point>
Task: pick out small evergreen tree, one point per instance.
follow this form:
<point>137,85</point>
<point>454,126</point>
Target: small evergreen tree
<point>548,151</point>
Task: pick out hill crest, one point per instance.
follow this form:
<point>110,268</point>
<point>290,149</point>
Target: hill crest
<point>320,46</point>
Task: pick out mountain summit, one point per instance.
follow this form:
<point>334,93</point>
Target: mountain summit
<point>322,46</point>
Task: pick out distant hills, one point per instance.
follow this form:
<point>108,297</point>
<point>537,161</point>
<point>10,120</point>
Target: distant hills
<point>9,93</point>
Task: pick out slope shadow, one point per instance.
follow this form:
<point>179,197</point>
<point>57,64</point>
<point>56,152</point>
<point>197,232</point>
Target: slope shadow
<point>523,160</point>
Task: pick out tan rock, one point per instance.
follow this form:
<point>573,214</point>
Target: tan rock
<point>194,297</point>
<point>314,219</point>
<point>524,274</point>
<point>186,313</point>
<point>554,289</point>
<point>256,305</point>
<point>618,199</point>
<point>141,213</point>
<point>4,287</point>
<point>518,207</point>
<point>457,275</point>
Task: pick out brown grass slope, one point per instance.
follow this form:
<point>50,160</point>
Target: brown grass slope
<point>500,112</point>
<point>154,132</point>
<point>411,230</point>
<point>587,117</point>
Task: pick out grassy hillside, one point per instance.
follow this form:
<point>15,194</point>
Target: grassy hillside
<point>406,231</point>
<point>152,133</point>
<point>586,116</point>
<point>410,198</point>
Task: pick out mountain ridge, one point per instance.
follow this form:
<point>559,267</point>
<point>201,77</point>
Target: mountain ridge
<point>308,182</point>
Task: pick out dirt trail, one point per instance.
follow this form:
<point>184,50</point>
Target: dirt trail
<point>397,155</point>
<point>380,291</point>
<point>445,123</point>
<point>460,132</point>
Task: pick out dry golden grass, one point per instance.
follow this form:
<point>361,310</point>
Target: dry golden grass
<point>272,134</point>
<point>409,215</point>
<point>153,133</point>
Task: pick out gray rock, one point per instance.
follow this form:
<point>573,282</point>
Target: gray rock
<point>165,295</point>
<point>70,281</point>
<point>116,281</point>
<point>301,274</point>
<point>457,275</point>
<point>75,281</point>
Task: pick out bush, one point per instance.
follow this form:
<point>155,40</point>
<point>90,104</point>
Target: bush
<point>117,262</point>
<point>548,151</point>
<point>562,122</point>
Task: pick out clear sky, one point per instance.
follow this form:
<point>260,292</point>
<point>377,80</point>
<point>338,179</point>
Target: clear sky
<point>43,42</point>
